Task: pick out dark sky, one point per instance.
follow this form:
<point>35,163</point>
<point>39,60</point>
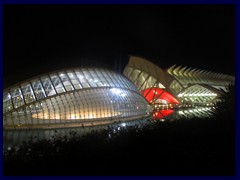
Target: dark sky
<point>43,38</point>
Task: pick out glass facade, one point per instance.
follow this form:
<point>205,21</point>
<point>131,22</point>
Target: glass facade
<point>73,95</point>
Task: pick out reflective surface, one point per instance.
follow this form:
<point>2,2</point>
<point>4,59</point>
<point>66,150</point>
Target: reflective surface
<point>69,96</point>
<point>161,114</point>
<point>15,138</point>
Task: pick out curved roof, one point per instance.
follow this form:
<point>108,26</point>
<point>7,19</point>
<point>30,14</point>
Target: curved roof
<point>151,69</point>
<point>61,82</point>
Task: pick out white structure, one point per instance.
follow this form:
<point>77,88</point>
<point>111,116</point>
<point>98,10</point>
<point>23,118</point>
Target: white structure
<point>86,96</point>
<point>186,85</point>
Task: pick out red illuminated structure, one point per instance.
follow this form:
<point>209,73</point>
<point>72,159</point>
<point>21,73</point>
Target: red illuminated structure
<point>162,98</point>
<point>159,96</point>
<point>160,114</point>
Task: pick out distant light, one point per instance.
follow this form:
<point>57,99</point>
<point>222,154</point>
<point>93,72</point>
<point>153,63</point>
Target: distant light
<point>123,124</point>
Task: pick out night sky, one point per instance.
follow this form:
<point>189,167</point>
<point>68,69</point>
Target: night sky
<point>44,38</point>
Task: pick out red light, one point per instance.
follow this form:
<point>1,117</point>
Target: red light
<point>166,112</point>
<point>161,114</point>
<point>152,94</point>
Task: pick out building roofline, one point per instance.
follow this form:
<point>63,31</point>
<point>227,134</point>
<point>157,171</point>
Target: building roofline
<point>55,71</point>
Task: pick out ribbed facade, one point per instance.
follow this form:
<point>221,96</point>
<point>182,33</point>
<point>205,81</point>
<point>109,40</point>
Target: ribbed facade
<point>187,76</point>
<point>150,80</point>
<point>79,95</point>
<point>186,85</point>
<point>95,96</point>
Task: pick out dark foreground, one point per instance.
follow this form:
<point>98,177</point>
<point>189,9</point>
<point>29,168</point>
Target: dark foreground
<point>183,147</point>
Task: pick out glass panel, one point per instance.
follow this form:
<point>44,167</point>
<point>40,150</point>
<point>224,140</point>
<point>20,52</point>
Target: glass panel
<point>27,92</point>
<point>47,85</point>
<point>38,89</point>
<point>66,82</point>
<point>104,82</point>
<point>7,104</point>
<point>115,79</point>
<point>82,79</point>
<point>89,78</point>
<point>106,77</point>
<point>17,97</point>
<point>57,83</point>
<point>95,79</point>
<point>74,80</point>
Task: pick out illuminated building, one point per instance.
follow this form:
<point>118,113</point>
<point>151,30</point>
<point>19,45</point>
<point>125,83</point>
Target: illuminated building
<point>94,96</point>
<point>175,85</point>
<point>79,96</point>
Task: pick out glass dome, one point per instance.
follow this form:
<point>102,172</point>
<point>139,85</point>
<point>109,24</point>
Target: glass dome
<point>80,95</point>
